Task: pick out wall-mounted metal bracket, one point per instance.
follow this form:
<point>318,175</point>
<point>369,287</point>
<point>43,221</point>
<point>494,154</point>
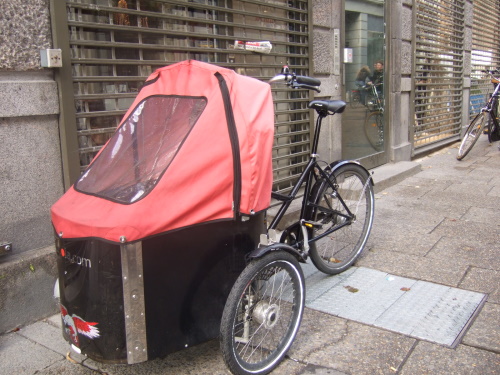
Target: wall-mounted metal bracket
<point>51,58</point>
<point>134,303</point>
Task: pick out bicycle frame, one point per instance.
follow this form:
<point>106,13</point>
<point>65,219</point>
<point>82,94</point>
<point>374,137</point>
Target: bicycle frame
<point>307,176</point>
<point>377,105</point>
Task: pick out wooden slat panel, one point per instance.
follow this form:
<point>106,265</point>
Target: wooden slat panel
<point>116,47</point>
<point>438,70</point>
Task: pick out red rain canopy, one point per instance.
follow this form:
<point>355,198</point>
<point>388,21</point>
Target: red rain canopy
<point>196,142</point>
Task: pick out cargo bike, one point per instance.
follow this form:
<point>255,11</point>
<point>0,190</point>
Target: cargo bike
<point>163,242</point>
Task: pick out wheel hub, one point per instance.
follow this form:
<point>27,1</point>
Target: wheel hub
<point>266,314</point>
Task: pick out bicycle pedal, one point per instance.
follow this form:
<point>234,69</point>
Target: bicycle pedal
<point>312,224</point>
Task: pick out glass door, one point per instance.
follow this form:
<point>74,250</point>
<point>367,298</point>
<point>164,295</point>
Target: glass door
<point>363,122</point>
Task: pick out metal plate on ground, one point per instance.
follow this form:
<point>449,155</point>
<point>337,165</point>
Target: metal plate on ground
<point>420,309</point>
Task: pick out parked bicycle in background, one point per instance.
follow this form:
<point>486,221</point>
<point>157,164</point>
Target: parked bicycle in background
<point>487,119</point>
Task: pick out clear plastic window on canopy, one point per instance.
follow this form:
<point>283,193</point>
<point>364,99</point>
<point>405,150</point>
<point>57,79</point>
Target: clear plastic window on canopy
<point>141,150</point>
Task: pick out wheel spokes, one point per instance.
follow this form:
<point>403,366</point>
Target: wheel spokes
<point>263,333</point>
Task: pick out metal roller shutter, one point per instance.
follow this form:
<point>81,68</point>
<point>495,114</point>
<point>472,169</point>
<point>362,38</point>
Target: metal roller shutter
<point>485,51</point>
<point>438,70</point>
<point>116,44</point>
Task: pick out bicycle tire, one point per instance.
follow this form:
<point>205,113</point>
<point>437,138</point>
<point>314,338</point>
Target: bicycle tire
<point>374,130</point>
<point>493,130</point>
<point>472,134</point>
<point>339,250</point>
<point>262,314</point>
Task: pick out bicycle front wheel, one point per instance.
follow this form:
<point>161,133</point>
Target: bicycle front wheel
<point>262,314</point>
<point>472,134</point>
<point>349,206</point>
<point>374,130</point>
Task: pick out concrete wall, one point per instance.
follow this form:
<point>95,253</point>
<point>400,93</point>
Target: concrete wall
<point>469,16</point>
<point>400,30</point>
<point>30,163</point>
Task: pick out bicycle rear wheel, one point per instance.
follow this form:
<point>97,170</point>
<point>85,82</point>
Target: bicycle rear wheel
<point>472,134</point>
<point>355,99</point>
<point>262,314</point>
<point>353,191</point>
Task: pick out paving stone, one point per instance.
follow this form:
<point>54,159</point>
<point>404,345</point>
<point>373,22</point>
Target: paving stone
<point>428,358</point>
<point>476,253</point>
<point>482,215</point>
<point>319,370</point>
<point>46,335</point>
<point>443,271</point>
<point>67,367</point>
<point>473,190</point>
<point>414,194</point>
<point>288,367</point>
<point>484,281</point>
<point>317,331</point>
<point>434,171</point>
<point>20,356</point>
<point>413,189</point>
<point>411,243</point>
<point>408,220</point>
<point>399,226</point>
<point>464,197</point>
<point>203,359</point>
<point>485,331</point>
<point>364,350</point>
<point>495,191</point>
<point>55,320</point>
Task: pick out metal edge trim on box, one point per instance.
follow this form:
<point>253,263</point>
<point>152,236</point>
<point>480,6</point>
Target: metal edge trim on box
<point>133,301</point>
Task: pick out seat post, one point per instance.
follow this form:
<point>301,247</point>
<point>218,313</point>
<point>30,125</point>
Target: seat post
<point>317,130</point>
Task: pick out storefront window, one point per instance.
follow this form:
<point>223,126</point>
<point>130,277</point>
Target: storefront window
<point>363,129</point>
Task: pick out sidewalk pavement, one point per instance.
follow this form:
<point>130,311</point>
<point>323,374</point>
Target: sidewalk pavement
<point>440,225</point>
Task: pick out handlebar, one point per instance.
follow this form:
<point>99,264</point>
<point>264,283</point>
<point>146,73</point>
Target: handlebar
<point>296,81</point>
<point>308,81</point>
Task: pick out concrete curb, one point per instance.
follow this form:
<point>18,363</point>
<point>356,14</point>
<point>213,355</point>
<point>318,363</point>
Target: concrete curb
<point>391,174</point>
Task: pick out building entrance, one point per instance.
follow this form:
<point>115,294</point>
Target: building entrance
<point>364,123</point>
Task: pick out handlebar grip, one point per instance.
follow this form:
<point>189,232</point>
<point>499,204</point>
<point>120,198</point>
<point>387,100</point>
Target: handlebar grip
<point>303,86</point>
<point>308,81</point>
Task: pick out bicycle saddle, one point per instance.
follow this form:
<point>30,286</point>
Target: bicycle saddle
<point>327,107</point>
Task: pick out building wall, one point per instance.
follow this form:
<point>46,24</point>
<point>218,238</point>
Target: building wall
<point>30,163</point>
<point>469,21</point>
<point>327,16</point>
<point>401,59</point>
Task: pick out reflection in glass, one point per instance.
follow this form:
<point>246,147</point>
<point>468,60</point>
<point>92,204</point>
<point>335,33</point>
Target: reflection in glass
<point>363,121</point>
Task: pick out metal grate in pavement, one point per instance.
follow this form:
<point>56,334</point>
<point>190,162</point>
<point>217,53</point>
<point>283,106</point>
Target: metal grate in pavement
<point>415,308</point>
